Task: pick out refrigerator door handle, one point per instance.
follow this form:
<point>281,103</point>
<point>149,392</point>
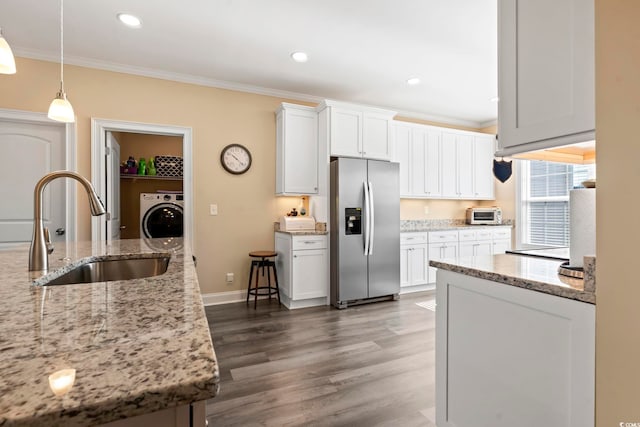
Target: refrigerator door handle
<point>367,222</point>
<point>372,212</point>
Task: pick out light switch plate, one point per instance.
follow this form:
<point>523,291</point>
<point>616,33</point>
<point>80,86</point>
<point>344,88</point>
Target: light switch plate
<point>213,209</point>
<point>426,210</point>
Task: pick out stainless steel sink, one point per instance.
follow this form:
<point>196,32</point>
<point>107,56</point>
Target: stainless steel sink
<point>114,269</point>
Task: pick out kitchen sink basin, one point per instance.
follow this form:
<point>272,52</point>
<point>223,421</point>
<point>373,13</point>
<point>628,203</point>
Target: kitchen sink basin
<point>114,269</point>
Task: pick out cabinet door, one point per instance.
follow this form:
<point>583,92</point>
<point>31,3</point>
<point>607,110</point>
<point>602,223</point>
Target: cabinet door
<point>418,168</point>
<point>465,166</point>
<point>484,248</point>
<point>448,165</point>
<point>483,181</point>
<point>309,274</point>
<point>402,137</point>
<point>346,132</point>
<point>501,246</point>
<point>467,249</point>
<point>375,137</point>
<point>547,83</point>
<point>419,272</point>
<point>405,267</point>
<point>432,164</point>
<point>440,251</point>
<point>300,152</point>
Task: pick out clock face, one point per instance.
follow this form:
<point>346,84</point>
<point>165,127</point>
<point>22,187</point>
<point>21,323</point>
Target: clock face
<point>235,158</point>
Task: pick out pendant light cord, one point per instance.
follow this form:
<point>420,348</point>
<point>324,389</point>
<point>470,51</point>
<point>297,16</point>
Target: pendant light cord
<point>61,46</point>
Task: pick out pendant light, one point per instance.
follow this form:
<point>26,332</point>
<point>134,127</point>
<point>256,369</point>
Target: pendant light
<point>60,108</point>
<point>7,62</point>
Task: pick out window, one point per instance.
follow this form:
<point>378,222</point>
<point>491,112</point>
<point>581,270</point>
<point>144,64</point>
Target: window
<point>544,201</point>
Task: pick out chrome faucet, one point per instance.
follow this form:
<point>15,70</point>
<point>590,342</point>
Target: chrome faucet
<point>40,244</point>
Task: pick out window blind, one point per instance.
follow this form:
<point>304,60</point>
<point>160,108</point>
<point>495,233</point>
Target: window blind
<point>545,198</point>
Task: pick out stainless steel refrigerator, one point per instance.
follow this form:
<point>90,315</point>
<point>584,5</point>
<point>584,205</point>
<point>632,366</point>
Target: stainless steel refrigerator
<point>364,231</point>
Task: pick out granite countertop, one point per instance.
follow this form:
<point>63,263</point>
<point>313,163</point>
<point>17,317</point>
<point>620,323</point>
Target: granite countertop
<point>138,346</point>
<point>537,274</point>
<point>304,232</point>
<point>415,226</point>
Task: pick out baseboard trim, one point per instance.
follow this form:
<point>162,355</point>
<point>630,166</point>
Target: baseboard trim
<point>224,297</point>
<point>418,288</point>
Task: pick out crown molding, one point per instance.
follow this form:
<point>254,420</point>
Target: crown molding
<point>224,84</point>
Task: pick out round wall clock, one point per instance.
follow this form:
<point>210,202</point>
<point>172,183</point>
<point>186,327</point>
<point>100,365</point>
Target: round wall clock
<point>235,159</point>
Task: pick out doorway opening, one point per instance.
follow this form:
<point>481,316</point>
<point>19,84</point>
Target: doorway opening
<point>122,188</point>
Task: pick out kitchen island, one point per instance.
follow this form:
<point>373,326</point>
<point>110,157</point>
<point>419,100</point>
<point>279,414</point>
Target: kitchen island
<point>515,344</point>
<point>138,346</point>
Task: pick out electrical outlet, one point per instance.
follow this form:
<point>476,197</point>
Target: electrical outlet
<point>213,210</point>
<point>426,210</point>
<point>229,277</point>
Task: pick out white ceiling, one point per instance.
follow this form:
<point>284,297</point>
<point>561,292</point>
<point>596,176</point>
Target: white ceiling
<point>360,51</point>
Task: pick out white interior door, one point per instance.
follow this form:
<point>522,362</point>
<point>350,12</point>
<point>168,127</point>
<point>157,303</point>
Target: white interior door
<point>29,151</point>
<point>113,187</point>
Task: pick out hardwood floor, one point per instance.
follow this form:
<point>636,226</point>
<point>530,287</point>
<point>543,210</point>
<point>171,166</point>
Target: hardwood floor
<point>371,365</point>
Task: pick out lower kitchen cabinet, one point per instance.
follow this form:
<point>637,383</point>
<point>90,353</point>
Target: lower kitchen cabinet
<point>190,415</point>
<point>303,266</point>
<point>508,356</point>
<point>413,260</point>
<point>442,245</point>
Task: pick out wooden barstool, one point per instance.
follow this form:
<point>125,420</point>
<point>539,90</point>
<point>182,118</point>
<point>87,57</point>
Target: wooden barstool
<point>263,262</point>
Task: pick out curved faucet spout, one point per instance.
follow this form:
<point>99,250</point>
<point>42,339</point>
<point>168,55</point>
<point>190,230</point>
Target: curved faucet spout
<point>38,255</point>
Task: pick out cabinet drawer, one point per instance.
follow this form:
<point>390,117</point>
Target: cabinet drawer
<point>484,234</point>
<point>309,242</point>
<point>413,238</point>
<point>502,233</point>
<point>469,235</point>
<point>443,236</point>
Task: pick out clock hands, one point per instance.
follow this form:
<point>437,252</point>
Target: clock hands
<point>239,161</point>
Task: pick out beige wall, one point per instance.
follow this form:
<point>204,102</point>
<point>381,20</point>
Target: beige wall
<point>218,117</point>
<point>618,290</point>
<point>455,209</point>
<point>247,205</point>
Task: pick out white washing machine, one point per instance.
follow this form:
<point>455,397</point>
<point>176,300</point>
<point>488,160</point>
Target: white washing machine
<point>161,215</point>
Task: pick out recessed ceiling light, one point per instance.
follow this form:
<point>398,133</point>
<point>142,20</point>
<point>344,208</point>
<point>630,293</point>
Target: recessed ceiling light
<point>129,20</point>
<point>413,81</point>
<point>299,56</point>
<point>494,99</point>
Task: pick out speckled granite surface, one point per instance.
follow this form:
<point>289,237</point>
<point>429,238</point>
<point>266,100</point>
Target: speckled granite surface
<point>441,224</point>
<point>537,274</point>
<point>304,233</point>
<point>138,346</point>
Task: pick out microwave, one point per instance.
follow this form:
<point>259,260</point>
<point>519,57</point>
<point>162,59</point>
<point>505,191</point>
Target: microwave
<point>484,216</point>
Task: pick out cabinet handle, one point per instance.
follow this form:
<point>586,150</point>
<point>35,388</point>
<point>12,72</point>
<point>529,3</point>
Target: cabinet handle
<point>315,188</point>
<point>295,256</point>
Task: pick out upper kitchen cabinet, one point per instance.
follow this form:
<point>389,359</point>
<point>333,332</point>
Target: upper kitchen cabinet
<point>356,131</point>
<point>442,163</point>
<point>296,150</point>
<point>546,78</point>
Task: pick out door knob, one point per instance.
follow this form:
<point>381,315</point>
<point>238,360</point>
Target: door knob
<point>60,231</point>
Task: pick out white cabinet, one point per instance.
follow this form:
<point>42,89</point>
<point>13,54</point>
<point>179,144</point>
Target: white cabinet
<point>302,265</point>
<point>357,131</point>
<point>483,179</point>
<point>475,242</point>
<point>189,415</point>
<point>439,163</point>
<point>413,259</point>
<point>402,141</point>
<point>296,150</point>
<point>442,245</point>
<point>509,356</point>
<point>546,78</point>
<point>501,237</point>
<point>467,167</point>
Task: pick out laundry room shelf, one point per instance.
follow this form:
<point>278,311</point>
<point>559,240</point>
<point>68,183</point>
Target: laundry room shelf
<point>151,177</point>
